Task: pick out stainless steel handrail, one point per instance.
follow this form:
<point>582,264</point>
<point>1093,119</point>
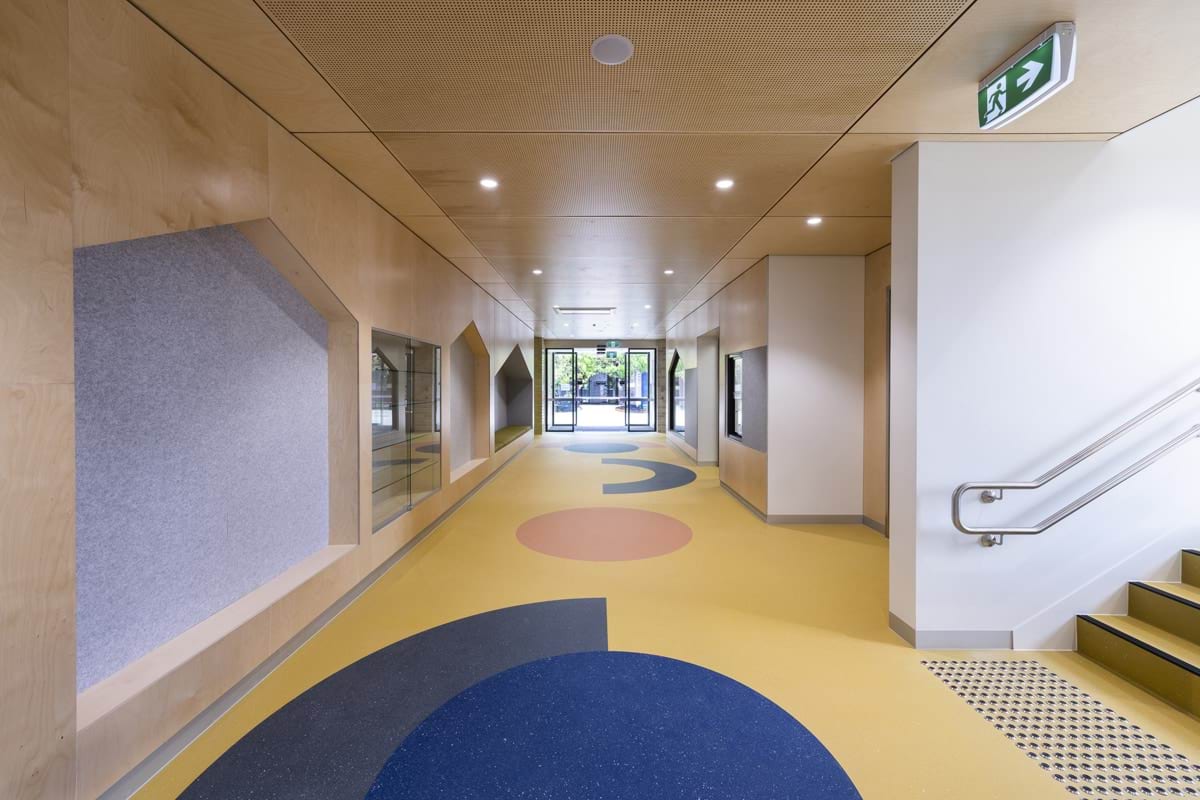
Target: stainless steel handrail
<point>994,491</point>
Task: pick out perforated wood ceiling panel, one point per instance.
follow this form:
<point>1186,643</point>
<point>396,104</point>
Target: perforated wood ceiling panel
<point>679,243</point>
<point>607,174</point>
<point>723,65</point>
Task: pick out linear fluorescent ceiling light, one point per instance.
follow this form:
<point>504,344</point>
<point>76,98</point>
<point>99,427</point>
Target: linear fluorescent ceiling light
<point>602,311</point>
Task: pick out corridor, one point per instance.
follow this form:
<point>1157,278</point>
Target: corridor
<point>763,618</point>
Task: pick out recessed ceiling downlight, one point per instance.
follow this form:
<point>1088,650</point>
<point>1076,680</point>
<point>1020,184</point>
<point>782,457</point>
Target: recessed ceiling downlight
<point>814,221</point>
<point>612,49</point>
<point>489,183</point>
<point>725,184</point>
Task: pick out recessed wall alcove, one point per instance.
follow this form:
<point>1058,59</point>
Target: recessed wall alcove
<point>216,419</point>
<point>514,399</point>
<point>469,412</point>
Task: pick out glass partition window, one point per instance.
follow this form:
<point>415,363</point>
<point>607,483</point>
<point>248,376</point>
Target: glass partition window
<point>678,399</point>
<point>734,379</point>
<point>406,447</point>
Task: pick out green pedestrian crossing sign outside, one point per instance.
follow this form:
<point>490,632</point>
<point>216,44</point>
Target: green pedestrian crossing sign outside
<point>1038,70</point>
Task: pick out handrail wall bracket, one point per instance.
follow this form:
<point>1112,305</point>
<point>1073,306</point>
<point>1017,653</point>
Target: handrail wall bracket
<point>993,492</point>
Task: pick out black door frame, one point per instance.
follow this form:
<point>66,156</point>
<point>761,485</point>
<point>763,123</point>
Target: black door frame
<point>551,400</point>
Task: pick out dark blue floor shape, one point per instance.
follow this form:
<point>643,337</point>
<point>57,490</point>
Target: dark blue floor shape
<point>600,725</point>
<point>601,447</point>
<point>666,476</point>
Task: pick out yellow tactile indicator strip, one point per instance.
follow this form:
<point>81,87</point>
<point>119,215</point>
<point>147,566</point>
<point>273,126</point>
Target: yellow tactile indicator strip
<point>1087,747</point>
<point>796,612</point>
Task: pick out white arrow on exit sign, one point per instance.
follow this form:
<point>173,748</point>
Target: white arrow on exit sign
<point>1032,69</point>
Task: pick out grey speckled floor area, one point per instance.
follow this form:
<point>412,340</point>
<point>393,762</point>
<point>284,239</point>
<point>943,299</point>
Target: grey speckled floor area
<point>666,476</point>
<point>330,742</point>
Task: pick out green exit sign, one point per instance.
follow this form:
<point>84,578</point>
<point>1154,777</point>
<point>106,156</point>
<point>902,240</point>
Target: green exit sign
<point>1038,70</point>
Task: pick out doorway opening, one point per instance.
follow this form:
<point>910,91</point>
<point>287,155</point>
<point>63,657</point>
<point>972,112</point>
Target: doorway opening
<point>600,389</point>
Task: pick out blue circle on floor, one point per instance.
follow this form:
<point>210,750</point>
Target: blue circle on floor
<point>601,447</point>
<point>608,725</point>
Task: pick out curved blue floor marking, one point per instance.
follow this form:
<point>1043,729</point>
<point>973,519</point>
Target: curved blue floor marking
<point>601,447</point>
<point>609,725</point>
<point>666,476</point>
<point>330,742</point>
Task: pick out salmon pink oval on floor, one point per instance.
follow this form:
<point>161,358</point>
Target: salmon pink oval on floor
<point>604,534</point>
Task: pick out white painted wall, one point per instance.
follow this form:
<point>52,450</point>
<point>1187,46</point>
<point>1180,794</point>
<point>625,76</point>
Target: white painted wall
<point>815,385</point>
<point>1055,290</point>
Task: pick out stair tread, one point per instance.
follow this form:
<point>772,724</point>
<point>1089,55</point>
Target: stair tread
<point>1156,637</point>
<point>1184,591</point>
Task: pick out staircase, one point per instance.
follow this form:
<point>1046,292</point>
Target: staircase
<point>1157,646</point>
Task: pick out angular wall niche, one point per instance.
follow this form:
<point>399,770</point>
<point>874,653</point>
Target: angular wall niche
<point>514,399</point>
<point>216,431</point>
<point>468,390</point>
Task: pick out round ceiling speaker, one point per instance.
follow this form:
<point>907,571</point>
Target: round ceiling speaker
<point>612,49</point>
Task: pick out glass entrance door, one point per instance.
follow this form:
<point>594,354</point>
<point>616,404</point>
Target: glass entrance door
<point>560,389</point>
<point>640,388</point>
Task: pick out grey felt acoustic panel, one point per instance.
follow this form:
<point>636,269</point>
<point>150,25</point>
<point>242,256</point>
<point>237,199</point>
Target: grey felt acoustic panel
<point>754,398</point>
<point>201,436</point>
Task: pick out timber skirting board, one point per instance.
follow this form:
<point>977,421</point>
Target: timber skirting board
<point>133,722</point>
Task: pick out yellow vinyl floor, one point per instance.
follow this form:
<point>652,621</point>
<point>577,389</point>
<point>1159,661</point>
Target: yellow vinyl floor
<point>797,613</point>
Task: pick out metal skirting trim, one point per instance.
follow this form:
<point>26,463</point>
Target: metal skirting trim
<point>950,640</point>
<point>815,519</point>
<point>902,629</point>
<point>749,506</point>
<point>796,519</point>
<point>168,750</point>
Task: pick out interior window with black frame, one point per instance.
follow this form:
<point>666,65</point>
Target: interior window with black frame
<point>734,388</point>
<point>678,399</point>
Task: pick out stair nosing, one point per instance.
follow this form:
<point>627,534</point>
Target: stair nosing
<point>1149,648</point>
<point>1167,594</point>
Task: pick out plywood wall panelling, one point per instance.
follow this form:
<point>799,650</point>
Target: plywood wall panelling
<point>307,201</point>
<point>191,152</point>
<point>160,143</point>
<point>372,167</point>
<point>875,385</point>
<point>740,312</point>
<point>37,599</point>
<point>342,350</point>
<point>444,236</point>
<point>37,407</point>
<point>240,42</point>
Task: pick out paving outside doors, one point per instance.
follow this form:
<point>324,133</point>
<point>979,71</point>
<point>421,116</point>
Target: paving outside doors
<point>586,390</point>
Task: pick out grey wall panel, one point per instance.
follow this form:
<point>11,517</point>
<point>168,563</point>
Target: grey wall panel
<point>754,398</point>
<point>691,406</point>
<point>201,436</point>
